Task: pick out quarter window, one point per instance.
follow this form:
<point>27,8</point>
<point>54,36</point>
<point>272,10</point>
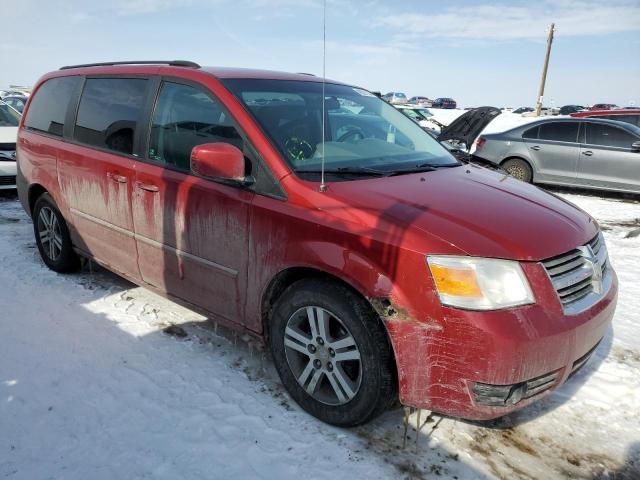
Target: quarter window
<point>109,111</point>
<point>606,135</point>
<point>531,133</point>
<point>185,117</point>
<point>49,105</point>
<point>559,131</point>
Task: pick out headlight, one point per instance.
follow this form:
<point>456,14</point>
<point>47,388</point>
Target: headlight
<point>479,283</point>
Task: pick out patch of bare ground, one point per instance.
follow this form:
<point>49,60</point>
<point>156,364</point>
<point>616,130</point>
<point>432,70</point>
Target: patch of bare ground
<point>513,453</point>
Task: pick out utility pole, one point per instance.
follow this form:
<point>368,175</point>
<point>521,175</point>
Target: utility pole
<point>544,70</point>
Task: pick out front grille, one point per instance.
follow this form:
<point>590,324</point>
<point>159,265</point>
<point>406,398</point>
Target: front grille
<point>8,146</point>
<point>573,275</point>
<point>7,180</point>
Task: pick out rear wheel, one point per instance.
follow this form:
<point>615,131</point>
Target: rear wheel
<point>332,353</point>
<point>52,236</point>
<point>518,168</point>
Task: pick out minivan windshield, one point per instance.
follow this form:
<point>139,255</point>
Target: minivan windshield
<point>364,135</point>
<point>8,116</point>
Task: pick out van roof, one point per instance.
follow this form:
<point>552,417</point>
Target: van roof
<point>218,72</point>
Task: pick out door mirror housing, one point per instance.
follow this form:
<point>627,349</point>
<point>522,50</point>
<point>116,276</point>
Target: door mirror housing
<point>221,161</point>
<point>635,146</point>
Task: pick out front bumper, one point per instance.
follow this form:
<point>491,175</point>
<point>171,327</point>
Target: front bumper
<point>7,172</point>
<point>483,365</point>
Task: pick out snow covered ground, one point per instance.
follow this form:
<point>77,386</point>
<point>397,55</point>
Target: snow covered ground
<point>91,388</point>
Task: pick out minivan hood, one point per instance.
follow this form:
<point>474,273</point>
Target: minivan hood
<point>469,208</point>
<point>468,126</point>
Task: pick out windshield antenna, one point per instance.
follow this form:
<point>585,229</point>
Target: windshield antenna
<point>323,186</point>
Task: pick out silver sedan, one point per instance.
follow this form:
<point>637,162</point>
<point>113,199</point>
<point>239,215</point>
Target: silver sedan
<point>580,152</point>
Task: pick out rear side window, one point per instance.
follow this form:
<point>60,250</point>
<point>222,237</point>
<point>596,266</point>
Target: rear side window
<point>185,117</point>
<point>531,133</point>
<point>49,105</point>
<point>109,112</point>
<point>606,135</point>
<point>559,131</point>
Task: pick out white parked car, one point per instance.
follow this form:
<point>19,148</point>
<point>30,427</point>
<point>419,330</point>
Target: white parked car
<point>9,119</point>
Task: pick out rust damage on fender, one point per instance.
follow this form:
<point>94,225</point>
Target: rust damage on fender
<point>390,311</point>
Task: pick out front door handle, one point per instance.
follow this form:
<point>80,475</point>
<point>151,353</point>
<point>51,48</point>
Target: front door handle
<point>147,187</point>
<point>588,153</point>
<point>116,177</point>
<point>536,148</point>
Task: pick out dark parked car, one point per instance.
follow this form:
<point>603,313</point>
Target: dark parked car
<point>569,109</point>
<point>444,103</point>
<point>604,106</point>
<point>389,278</point>
<point>523,110</point>
<point>579,152</point>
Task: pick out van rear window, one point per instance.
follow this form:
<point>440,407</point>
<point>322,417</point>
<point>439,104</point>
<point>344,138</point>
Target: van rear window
<point>49,105</point>
<point>109,111</point>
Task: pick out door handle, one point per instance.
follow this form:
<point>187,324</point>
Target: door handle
<point>147,187</point>
<point>536,148</point>
<point>117,178</point>
<point>588,153</point>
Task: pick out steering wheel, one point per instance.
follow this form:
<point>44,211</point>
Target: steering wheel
<point>352,131</point>
<point>298,149</point>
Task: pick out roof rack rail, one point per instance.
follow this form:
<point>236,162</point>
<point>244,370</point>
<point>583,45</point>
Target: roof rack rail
<point>173,63</point>
<point>305,73</point>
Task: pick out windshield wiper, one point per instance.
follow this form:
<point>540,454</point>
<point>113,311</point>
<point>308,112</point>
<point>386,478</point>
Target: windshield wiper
<point>423,167</point>
<point>347,171</point>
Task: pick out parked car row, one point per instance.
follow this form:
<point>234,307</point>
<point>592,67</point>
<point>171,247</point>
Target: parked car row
<point>398,98</point>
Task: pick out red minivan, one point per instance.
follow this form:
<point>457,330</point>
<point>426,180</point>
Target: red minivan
<point>317,216</point>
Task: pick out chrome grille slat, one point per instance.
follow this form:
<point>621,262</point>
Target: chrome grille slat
<point>564,292</point>
<point>571,278</point>
<point>576,296</point>
<point>566,267</point>
<point>572,274</point>
<point>562,259</point>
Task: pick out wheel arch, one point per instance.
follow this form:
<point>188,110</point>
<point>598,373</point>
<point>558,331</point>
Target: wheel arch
<point>35,191</point>
<point>283,280</point>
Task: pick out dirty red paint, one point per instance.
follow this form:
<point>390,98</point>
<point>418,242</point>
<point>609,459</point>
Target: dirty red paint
<point>219,247</point>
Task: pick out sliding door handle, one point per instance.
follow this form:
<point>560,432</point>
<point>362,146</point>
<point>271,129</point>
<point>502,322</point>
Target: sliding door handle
<point>588,153</point>
<point>116,177</point>
<point>147,187</point>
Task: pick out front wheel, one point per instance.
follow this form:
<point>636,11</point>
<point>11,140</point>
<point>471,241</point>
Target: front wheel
<point>332,353</point>
<point>52,236</point>
<point>519,169</point>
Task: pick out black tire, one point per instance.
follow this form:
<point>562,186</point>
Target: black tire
<point>518,168</point>
<point>64,259</point>
<point>377,389</point>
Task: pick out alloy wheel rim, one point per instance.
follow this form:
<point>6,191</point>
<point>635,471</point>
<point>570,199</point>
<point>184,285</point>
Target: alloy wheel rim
<point>517,172</point>
<point>49,233</point>
<point>323,355</point>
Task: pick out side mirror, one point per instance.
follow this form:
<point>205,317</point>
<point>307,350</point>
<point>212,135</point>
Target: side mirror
<point>221,161</point>
<point>635,146</point>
